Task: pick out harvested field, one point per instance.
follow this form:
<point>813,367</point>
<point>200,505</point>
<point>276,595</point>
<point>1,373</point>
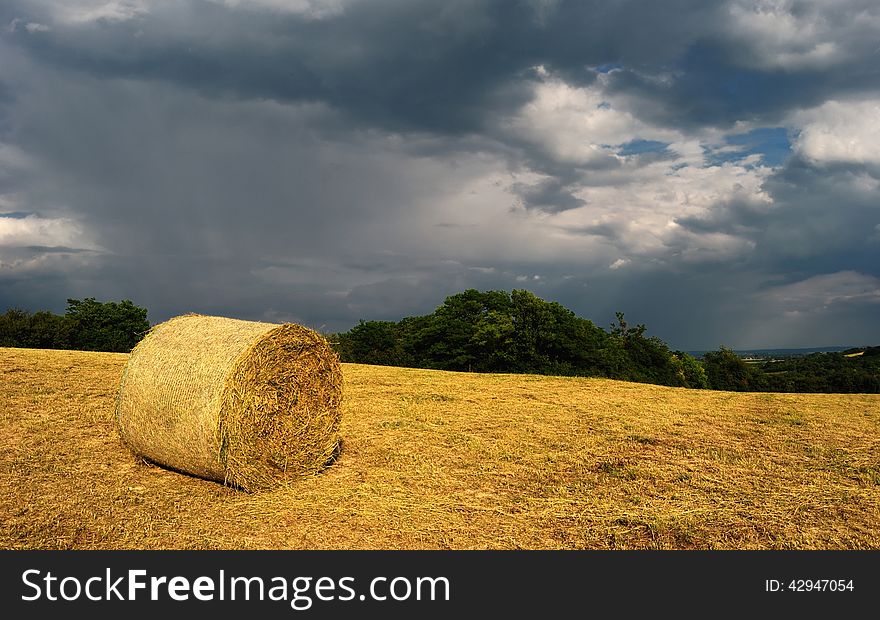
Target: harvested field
<point>450,460</point>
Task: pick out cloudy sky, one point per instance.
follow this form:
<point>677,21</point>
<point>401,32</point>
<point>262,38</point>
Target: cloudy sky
<point>712,169</point>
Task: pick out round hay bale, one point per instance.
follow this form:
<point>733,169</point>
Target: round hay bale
<point>245,403</point>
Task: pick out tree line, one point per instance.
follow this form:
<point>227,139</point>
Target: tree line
<point>491,331</point>
<point>518,332</point>
<point>852,371</point>
<point>497,331</point>
<point>86,325</point>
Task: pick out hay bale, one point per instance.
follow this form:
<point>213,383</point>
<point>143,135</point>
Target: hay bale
<point>245,403</point>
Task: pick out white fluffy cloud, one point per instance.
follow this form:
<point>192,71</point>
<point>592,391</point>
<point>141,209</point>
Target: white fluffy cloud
<point>33,230</point>
<point>794,35</point>
<point>641,214</point>
<point>30,27</point>
<point>630,203</point>
<point>35,246</point>
<point>84,11</point>
<point>783,38</point>
<point>578,125</point>
<point>313,9</point>
<point>841,131</point>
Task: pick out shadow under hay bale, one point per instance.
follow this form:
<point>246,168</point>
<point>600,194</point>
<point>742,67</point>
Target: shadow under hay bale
<point>245,403</point>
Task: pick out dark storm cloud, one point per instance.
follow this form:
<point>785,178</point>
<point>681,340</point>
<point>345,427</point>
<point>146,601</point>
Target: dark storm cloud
<point>822,219</point>
<point>399,64</point>
<point>734,217</point>
<point>825,220</point>
<point>271,165</point>
<point>708,89</point>
<point>721,79</point>
<point>446,67</point>
<point>550,195</point>
<point>610,230</point>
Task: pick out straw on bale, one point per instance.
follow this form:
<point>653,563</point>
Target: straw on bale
<point>246,403</point>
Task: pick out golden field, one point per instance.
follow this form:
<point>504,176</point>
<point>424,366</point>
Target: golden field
<point>453,460</point>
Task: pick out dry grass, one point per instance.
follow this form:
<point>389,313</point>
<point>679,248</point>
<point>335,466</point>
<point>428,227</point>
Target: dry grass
<point>448,460</point>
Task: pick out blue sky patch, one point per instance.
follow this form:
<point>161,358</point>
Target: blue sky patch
<point>638,147</point>
<point>771,143</point>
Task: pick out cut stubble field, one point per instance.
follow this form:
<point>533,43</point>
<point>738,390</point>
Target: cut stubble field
<point>455,460</point>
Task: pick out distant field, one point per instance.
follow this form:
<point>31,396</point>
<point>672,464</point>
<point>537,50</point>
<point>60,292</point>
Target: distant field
<point>450,460</point>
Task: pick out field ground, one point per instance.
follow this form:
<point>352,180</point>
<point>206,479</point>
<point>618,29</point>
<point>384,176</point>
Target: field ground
<point>450,460</point>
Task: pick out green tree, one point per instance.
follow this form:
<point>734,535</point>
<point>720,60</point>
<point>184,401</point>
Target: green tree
<point>689,370</point>
<point>14,328</point>
<point>727,371</point>
<point>110,326</point>
<point>49,331</point>
<point>633,356</point>
<point>41,330</point>
<point>494,338</point>
<point>371,342</point>
<point>534,322</point>
<point>621,329</point>
<point>492,331</point>
<point>496,331</point>
<point>456,335</point>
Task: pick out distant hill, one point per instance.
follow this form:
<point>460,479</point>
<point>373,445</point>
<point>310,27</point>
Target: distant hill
<point>782,352</point>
